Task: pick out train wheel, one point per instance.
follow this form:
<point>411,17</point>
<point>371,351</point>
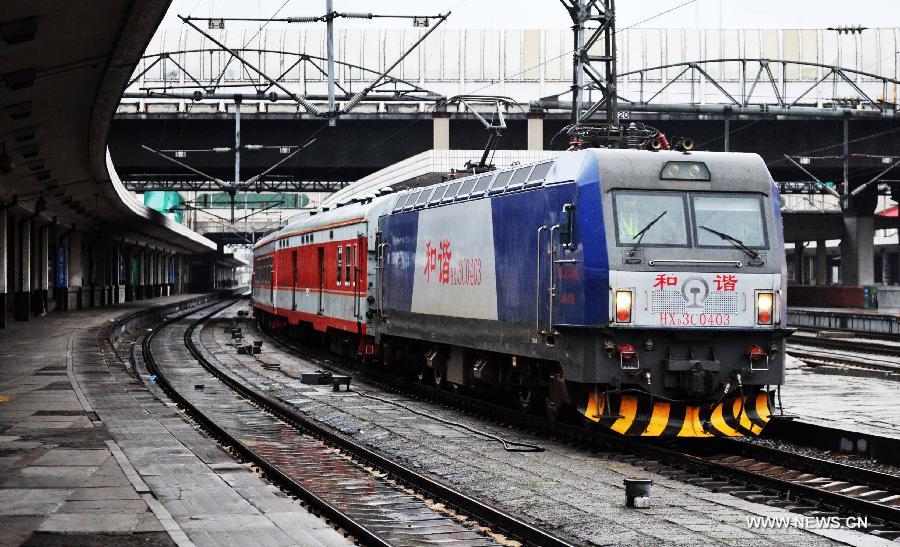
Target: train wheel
<point>439,378</point>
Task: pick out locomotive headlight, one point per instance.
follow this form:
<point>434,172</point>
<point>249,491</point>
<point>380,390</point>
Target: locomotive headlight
<point>623,306</point>
<point>765,302</point>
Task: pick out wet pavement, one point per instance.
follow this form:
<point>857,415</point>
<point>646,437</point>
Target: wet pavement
<point>88,456</point>
<point>570,492</point>
<point>842,401</point>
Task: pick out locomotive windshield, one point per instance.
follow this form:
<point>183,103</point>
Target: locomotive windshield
<point>685,219</point>
<point>740,217</point>
<point>635,211</point>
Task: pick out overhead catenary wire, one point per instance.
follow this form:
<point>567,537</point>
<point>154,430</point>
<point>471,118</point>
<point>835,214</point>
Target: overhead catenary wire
<point>422,115</point>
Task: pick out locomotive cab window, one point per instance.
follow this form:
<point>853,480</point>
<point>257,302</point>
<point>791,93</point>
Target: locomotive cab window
<point>720,216</point>
<point>657,219</point>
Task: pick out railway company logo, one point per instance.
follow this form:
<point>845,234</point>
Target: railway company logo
<point>439,264</point>
<point>695,291</point>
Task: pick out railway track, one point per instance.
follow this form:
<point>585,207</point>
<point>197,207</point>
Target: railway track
<point>375,500</point>
<point>811,486</point>
<point>847,349</point>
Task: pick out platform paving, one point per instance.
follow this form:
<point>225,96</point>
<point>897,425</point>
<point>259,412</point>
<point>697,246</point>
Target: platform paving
<point>88,456</point>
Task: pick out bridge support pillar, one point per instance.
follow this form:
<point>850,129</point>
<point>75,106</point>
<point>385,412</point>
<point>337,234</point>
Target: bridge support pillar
<point>22,306</point>
<point>798,262</point>
<point>76,271</point>
<point>103,273</point>
<point>535,131</point>
<point>139,274</point>
<point>128,257</point>
<point>441,131</point>
<point>821,263</point>
<point>41,279</point>
<point>858,249</point>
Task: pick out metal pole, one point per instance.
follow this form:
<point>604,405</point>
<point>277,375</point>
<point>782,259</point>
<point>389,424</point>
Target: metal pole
<point>578,73</point>
<point>237,141</point>
<point>612,102</point>
<point>329,34</point>
<point>237,151</point>
<point>727,133</point>
<point>846,159</point>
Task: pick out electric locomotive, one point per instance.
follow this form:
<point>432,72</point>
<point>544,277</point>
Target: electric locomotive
<point>644,289</point>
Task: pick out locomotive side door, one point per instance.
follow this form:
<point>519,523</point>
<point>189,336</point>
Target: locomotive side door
<point>294,275</point>
<point>321,267</point>
<point>272,280</point>
<point>379,271</point>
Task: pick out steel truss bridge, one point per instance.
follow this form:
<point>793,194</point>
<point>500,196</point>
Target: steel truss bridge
<point>194,185</point>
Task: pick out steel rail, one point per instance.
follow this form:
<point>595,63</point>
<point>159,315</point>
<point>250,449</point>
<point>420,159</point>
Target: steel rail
<point>482,512</point>
<point>338,517</point>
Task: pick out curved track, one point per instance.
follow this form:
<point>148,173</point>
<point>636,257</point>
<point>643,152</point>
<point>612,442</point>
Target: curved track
<point>376,500</point>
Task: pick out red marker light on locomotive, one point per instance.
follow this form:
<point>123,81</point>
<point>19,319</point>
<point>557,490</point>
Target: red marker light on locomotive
<point>756,352</point>
<point>626,351</point>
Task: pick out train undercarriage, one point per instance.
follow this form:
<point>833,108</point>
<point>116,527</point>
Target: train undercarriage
<point>539,387</point>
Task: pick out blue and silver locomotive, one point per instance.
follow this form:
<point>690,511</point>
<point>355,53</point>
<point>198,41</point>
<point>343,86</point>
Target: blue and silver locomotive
<point>644,289</point>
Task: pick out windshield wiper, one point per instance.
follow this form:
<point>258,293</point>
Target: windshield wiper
<point>640,235</point>
<point>734,241</point>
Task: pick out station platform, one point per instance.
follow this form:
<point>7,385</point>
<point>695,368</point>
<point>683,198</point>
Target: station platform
<point>89,456</point>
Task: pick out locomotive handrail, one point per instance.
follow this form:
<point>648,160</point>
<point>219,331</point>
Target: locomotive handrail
<point>551,253</point>
<point>736,263</point>
<point>537,288</point>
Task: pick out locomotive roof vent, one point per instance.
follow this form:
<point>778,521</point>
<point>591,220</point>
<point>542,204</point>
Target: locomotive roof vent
<point>685,170</point>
